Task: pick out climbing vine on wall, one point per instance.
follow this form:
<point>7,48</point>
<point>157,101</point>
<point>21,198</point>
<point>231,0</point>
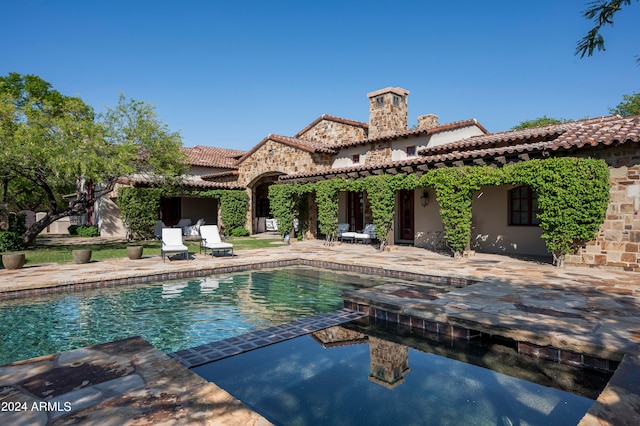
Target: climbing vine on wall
<point>139,210</point>
<point>573,196</point>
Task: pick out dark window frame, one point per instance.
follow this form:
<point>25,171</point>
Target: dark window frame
<point>523,207</point>
<point>413,148</point>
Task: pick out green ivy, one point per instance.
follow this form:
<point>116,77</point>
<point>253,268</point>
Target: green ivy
<point>233,205</point>
<point>573,196</point>
<point>327,200</point>
<point>139,209</point>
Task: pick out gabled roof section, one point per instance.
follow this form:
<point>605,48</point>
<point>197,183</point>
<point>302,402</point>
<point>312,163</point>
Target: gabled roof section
<point>208,156</point>
<point>302,144</point>
<point>332,118</point>
<point>589,131</point>
<point>454,125</point>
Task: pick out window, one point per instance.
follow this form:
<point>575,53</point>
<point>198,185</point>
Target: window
<point>355,158</point>
<point>397,100</point>
<point>379,101</point>
<point>523,207</point>
<point>411,150</point>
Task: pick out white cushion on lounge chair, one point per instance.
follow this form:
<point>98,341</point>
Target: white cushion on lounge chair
<point>367,235</point>
<point>211,240</point>
<point>172,242</point>
<point>343,232</point>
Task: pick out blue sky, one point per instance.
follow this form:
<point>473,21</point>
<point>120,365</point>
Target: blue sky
<point>229,73</point>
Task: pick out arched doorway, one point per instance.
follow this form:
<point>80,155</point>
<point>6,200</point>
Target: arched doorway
<point>260,209</point>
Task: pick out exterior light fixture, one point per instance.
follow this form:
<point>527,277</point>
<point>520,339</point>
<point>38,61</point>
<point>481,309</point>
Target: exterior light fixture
<point>424,200</point>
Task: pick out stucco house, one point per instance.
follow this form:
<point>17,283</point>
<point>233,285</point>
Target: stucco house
<point>504,219</point>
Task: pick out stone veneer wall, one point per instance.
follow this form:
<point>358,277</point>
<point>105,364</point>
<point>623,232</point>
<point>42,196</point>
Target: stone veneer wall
<point>617,245</point>
<point>280,158</point>
<point>332,133</point>
<point>380,152</point>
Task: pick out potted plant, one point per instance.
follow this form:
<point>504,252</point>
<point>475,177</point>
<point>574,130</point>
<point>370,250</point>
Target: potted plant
<point>134,252</point>
<point>13,260</point>
<point>81,256</point>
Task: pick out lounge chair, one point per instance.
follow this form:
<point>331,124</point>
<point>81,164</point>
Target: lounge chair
<point>367,235</point>
<point>343,232</point>
<point>157,229</point>
<point>172,242</point>
<point>211,240</point>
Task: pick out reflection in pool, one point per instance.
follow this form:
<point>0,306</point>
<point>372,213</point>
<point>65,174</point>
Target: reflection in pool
<point>353,375</point>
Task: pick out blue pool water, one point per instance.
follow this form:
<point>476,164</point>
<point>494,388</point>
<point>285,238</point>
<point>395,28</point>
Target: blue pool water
<point>172,315</point>
<point>346,378</point>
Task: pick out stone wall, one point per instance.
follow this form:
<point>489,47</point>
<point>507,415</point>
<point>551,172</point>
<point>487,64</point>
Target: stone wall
<point>427,121</point>
<point>331,133</point>
<point>275,157</point>
<point>389,362</point>
<point>380,152</point>
<point>617,245</point>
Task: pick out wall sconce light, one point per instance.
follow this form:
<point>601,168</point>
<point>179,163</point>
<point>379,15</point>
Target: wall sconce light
<point>424,200</point>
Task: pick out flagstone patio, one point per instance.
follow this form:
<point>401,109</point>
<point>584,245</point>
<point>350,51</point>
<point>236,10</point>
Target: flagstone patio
<point>586,311</point>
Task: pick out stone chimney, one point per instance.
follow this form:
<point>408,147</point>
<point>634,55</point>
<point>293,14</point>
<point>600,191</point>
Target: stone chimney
<point>427,121</point>
<point>388,111</point>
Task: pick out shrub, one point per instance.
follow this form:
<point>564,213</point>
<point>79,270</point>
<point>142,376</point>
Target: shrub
<point>240,231</point>
<point>11,241</point>
<point>73,229</point>
<point>88,231</point>
<point>17,222</point>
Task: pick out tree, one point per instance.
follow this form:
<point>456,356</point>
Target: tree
<point>602,13</point>
<point>628,107</point>
<point>537,122</point>
<point>54,145</point>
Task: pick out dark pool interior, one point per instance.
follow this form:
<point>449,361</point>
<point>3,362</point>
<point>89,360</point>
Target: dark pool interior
<point>384,373</point>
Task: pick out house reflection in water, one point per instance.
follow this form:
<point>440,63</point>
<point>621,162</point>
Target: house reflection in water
<point>389,361</point>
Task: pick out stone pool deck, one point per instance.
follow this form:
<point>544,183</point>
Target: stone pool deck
<point>587,312</point>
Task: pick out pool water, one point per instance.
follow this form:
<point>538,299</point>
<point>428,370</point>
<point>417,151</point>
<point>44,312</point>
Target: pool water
<point>344,376</point>
<point>172,315</point>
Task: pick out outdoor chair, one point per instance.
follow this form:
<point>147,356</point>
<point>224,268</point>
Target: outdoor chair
<point>343,232</point>
<point>211,240</point>
<point>183,224</point>
<point>157,229</point>
<point>172,242</point>
<point>193,230</point>
<point>367,235</point>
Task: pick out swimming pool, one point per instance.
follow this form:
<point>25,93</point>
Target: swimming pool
<point>350,374</point>
<point>171,315</point>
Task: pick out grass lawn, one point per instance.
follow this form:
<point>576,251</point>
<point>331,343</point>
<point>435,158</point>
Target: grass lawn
<point>61,252</point>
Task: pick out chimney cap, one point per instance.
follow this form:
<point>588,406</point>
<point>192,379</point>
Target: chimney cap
<point>397,90</point>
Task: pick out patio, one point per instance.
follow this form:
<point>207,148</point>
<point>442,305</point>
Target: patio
<point>587,311</point>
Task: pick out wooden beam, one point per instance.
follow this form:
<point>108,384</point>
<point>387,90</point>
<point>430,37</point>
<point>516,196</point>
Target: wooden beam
<point>479,162</point>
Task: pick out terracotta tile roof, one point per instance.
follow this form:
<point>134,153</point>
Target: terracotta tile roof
<point>454,125</point>
<point>333,118</point>
<point>302,144</point>
<point>193,182</point>
<point>209,156</point>
<point>220,175</point>
<point>593,132</point>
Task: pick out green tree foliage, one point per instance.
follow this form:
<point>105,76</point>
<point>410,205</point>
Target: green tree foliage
<point>601,12</point>
<point>233,206</point>
<point>55,145</point>
<point>537,122</point>
<point>628,107</point>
